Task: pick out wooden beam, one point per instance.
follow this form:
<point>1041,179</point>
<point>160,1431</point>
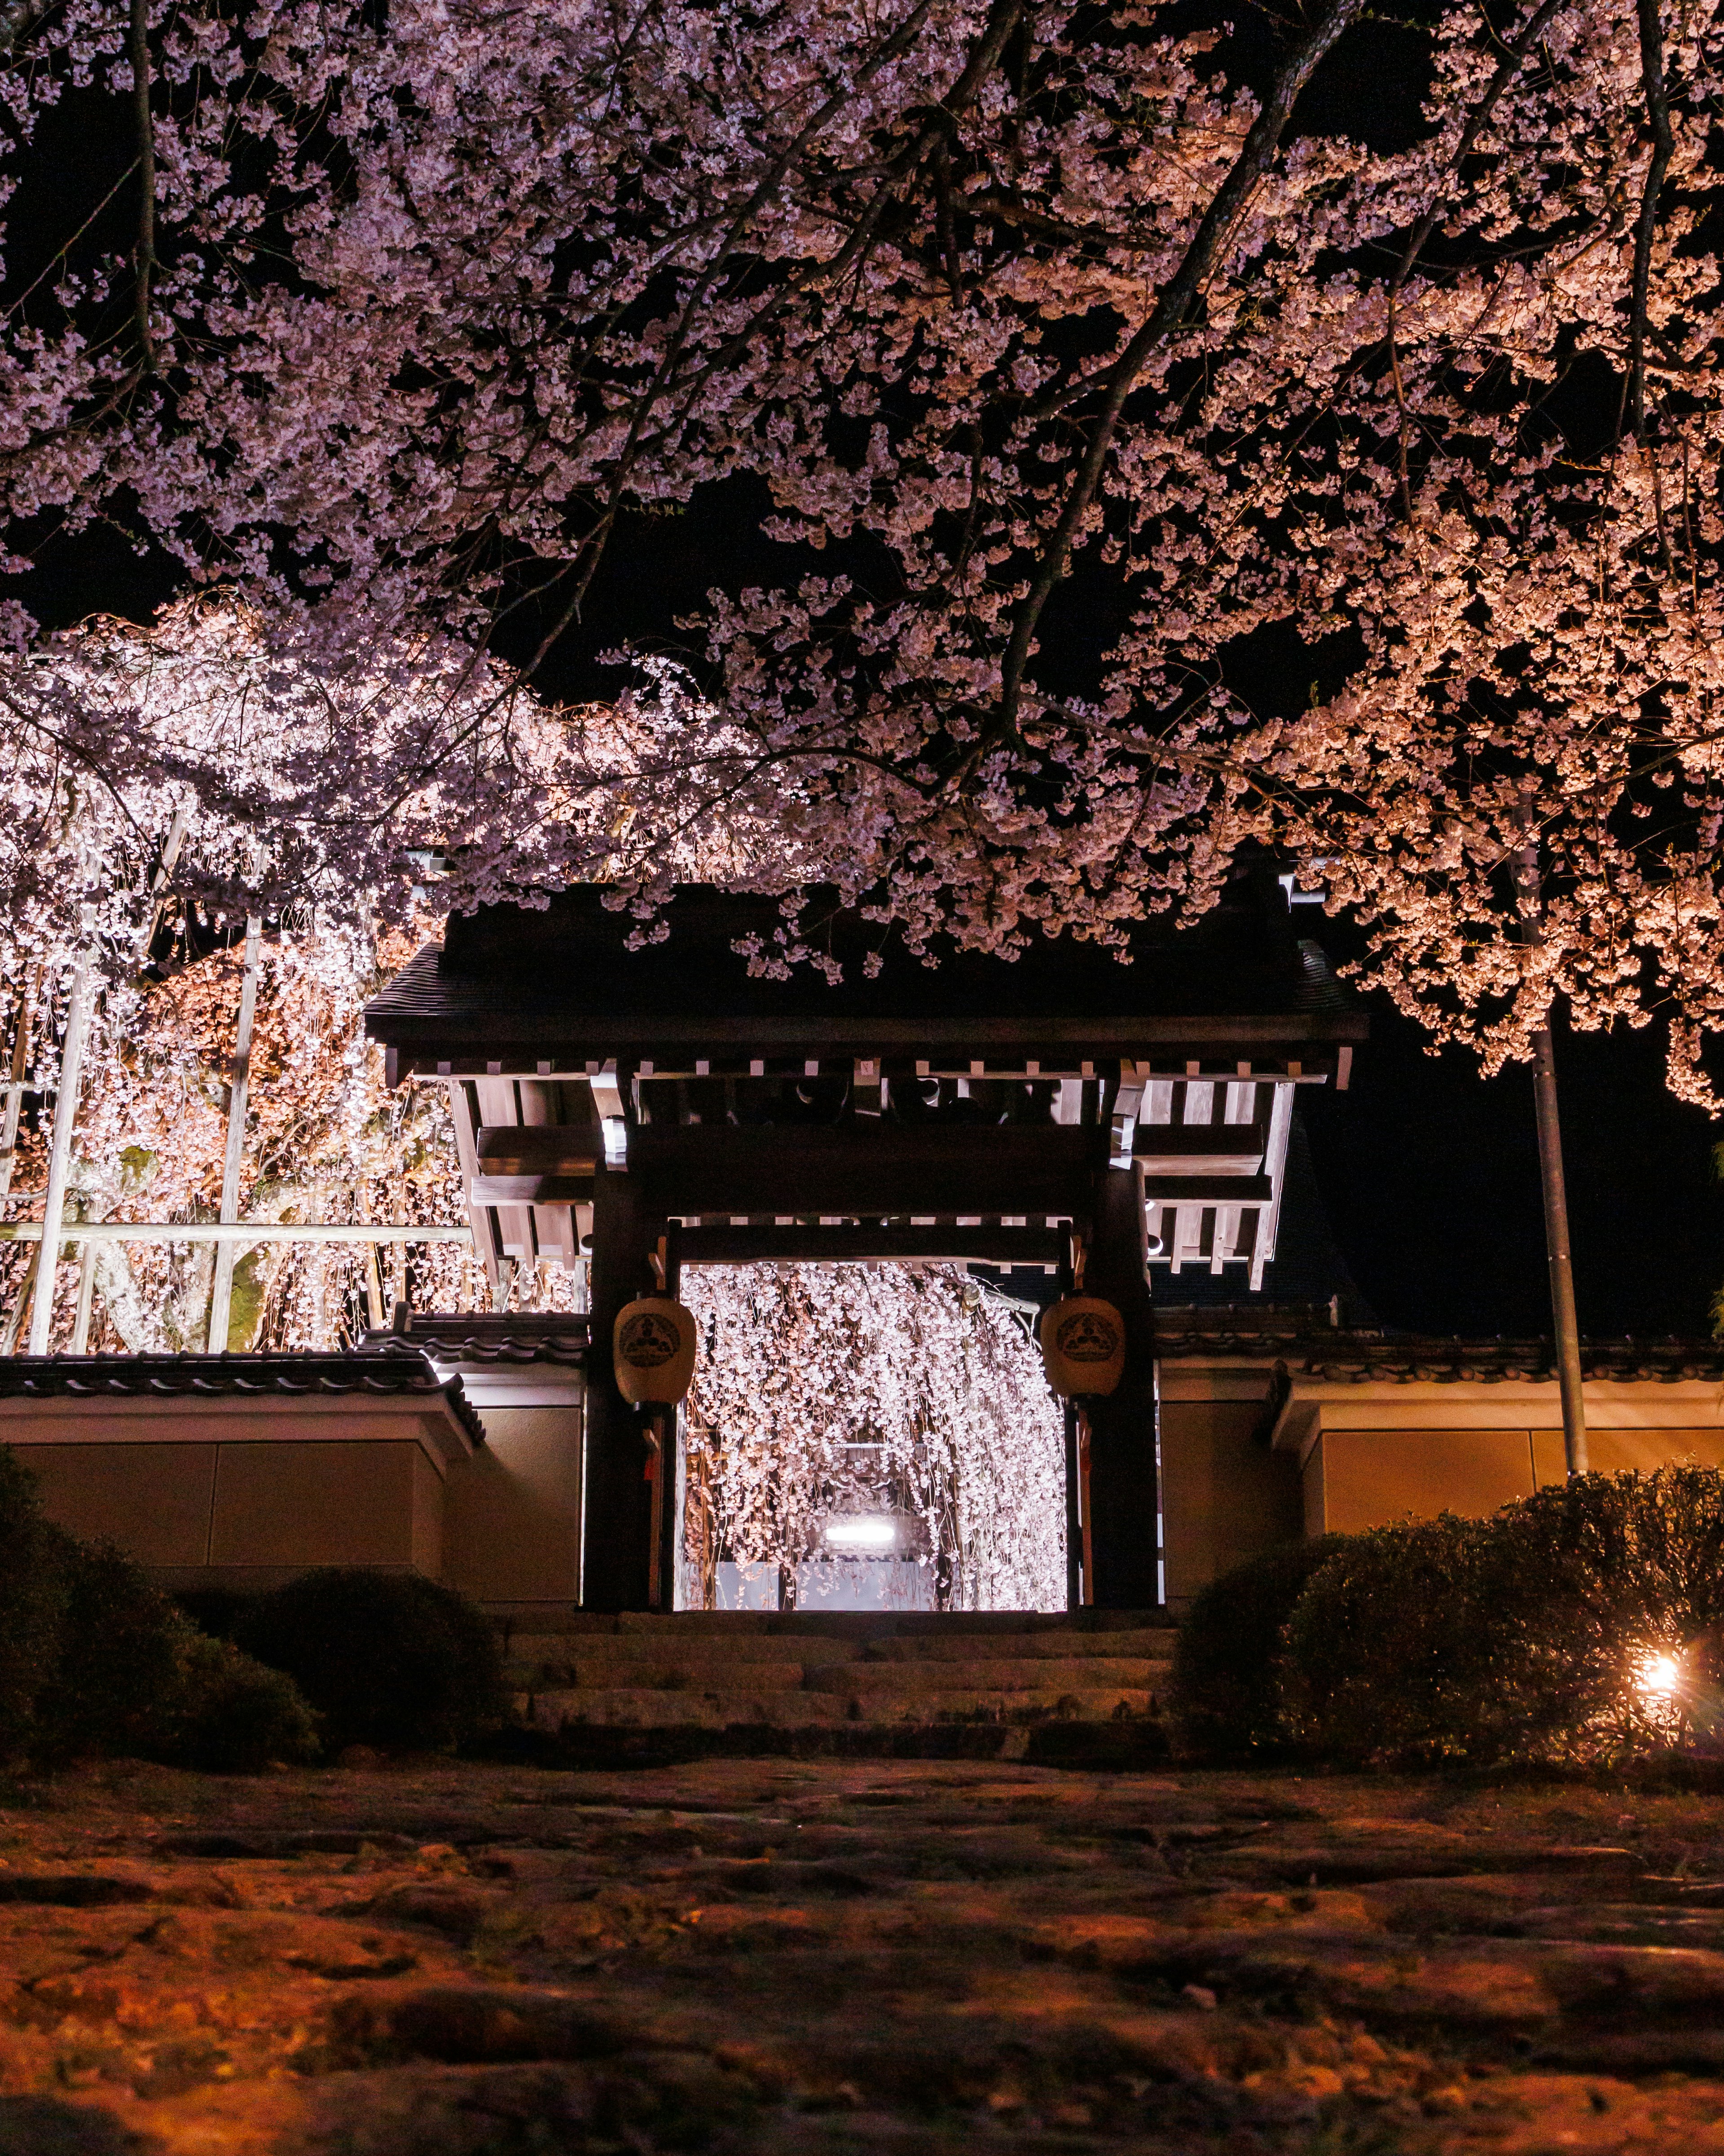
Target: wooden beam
<point>554,1149</point>
<point>502,1022</point>
<point>616,1498</point>
<point>866,1168</point>
<point>1209,1190</point>
<point>519,1189</point>
<point>865,1244</point>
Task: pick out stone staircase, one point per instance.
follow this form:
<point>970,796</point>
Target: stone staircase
<point>1090,1688</point>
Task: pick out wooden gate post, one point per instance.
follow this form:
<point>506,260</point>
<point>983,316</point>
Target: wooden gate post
<point>617,1498</point>
<point>1124,1495</point>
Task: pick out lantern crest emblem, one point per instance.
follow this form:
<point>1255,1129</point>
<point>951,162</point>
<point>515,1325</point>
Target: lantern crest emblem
<point>1088,1336</point>
<point>653,1351</point>
<point>649,1339</point>
<point>1082,1340</point>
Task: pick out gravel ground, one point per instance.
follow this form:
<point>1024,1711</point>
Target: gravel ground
<point>428,1959</point>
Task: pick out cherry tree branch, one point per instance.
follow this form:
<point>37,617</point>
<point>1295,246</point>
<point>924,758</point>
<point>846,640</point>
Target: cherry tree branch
<point>144,263</point>
<point>1179,296</point>
<point>1658,113</point>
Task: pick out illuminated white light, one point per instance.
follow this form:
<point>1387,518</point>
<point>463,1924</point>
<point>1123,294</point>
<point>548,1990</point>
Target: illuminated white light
<point>1659,1675</point>
<point>876,1531</point>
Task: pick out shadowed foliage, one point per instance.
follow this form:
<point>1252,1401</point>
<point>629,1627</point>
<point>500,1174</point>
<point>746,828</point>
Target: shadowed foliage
<point>1227,1664</point>
<point>387,1659</point>
<point>94,1659</point>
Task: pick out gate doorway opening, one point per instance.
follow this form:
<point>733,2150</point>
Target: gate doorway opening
<point>867,1438</point>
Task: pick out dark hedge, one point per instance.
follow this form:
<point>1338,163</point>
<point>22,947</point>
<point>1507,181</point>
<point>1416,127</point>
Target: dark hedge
<point>388,1660</point>
<point>1226,1660</point>
<point>1526,1637</point>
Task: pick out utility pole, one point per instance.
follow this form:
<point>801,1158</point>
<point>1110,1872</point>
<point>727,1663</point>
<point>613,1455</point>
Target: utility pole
<point>222,1293</point>
<point>1569,1381</point>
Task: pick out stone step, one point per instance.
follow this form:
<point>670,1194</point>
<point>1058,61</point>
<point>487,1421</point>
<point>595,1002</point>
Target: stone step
<point>627,1709</point>
<point>564,1620</point>
<point>692,1651</point>
<point>665,1670</point>
<point>1082,1673</point>
<point>623,1651</point>
<point>1143,1646</point>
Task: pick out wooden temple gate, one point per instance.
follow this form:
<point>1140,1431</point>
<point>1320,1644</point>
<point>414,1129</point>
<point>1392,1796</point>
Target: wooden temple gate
<point>607,1098</point>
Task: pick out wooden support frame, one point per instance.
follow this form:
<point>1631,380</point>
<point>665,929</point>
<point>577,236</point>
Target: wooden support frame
<point>947,1243</point>
<point>1124,1492</point>
<point>616,1509</point>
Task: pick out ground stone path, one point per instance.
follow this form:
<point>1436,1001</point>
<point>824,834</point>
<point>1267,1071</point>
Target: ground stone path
<point>851,1956</point>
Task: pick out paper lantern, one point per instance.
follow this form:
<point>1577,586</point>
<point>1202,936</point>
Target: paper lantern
<point>653,1348</point>
<point>1083,1347</point>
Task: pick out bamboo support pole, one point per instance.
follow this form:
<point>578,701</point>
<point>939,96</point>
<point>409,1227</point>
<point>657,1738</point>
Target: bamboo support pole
<point>86,1297</point>
<point>16,1088</point>
<point>59,1157</point>
<point>15,1320</point>
<point>221,1294</point>
<point>234,1231</point>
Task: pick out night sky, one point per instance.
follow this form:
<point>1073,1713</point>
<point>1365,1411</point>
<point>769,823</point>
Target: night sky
<point>1430,1179</point>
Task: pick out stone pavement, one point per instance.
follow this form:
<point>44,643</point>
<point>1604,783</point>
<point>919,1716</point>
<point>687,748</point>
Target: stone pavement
<point>846,1957</point>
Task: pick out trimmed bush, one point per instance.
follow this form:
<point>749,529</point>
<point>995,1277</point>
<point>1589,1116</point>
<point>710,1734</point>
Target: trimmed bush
<point>33,1571</point>
<point>1610,1574</point>
<point>1527,1637</point>
<point>1389,1650</point>
<point>216,1610</point>
<point>94,1659</point>
<point>386,1659</point>
<point>1228,1659</point>
<point>117,1670</point>
<point>229,1714</point>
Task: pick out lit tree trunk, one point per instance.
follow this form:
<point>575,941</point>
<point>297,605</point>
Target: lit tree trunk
<point>79,1007</point>
<point>222,1293</point>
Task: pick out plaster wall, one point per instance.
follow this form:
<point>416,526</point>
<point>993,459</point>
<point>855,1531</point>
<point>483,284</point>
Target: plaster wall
<point>1355,1479</point>
<point>1359,1477</point>
<point>153,1500</point>
<point>1225,1495</point>
<point>1346,1454</point>
<point>236,1493</point>
<point>512,1528</point>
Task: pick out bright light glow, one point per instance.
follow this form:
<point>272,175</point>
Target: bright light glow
<point>876,1531</point>
<point>1659,1675</point>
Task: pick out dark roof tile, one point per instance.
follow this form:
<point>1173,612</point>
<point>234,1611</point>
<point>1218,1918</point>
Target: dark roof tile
<point>1297,1336</point>
<point>405,1371</point>
<point>507,1338</point>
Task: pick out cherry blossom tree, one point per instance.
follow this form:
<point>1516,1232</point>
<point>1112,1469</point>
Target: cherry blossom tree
<point>326,1139</point>
<point>1162,452</point>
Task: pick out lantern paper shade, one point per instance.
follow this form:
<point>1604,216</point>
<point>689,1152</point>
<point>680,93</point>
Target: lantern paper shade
<point>1083,1347</point>
<point>652,1347</point>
